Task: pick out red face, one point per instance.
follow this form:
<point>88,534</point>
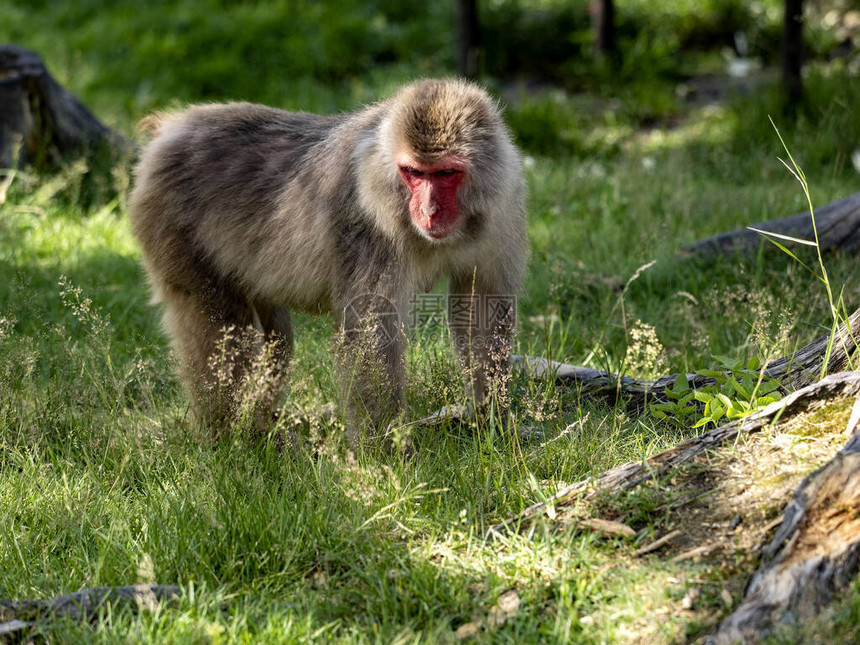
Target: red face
<point>433,205</point>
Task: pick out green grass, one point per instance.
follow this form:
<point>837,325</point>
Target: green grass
<point>104,481</point>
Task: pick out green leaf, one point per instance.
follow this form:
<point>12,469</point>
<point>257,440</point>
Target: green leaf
<point>769,234</point>
<point>727,403</point>
<point>768,386</point>
<point>740,410</point>
<point>684,400</point>
<point>681,385</point>
<point>728,363</point>
<point>716,374</point>
<point>744,388</point>
<point>717,413</point>
<point>703,396</point>
<point>663,407</point>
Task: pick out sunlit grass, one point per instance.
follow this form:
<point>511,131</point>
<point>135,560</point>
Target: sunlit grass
<point>105,480</point>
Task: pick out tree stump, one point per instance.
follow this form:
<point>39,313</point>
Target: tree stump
<point>814,556</point>
<point>41,123</point>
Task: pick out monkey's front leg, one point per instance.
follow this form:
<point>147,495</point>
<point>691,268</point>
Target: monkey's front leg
<point>482,318</point>
<point>371,364</point>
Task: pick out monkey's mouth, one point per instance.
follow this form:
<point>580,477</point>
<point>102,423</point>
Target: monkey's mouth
<point>437,229</point>
<point>439,235</point>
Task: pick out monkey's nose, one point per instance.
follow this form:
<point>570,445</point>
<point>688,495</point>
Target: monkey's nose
<point>428,210</point>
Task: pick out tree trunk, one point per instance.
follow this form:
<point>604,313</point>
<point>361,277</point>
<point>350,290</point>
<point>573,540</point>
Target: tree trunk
<point>603,26</point>
<point>792,54</point>
<point>813,556</point>
<point>468,38</point>
<point>41,123</point>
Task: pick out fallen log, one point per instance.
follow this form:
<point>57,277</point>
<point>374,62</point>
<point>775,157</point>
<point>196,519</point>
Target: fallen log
<point>814,555</point>
<point>17,616</point>
<point>41,123</point>
<point>838,225</point>
<point>631,474</point>
<point>796,370</point>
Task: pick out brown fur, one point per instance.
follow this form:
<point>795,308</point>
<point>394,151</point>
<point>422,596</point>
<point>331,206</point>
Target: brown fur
<point>245,212</point>
<point>150,124</point>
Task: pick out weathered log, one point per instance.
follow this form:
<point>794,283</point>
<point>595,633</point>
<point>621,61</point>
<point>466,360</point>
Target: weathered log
<point>797,370</point>
<point>41,123</point>
<point>794,371</point>
<point>631,474</point>
<point>838,225</point>
<point>814,555</point>
<point>20,615</point>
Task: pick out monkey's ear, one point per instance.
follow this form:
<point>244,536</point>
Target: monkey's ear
<point>150,125</point>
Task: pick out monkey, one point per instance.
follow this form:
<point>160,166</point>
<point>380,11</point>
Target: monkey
<point>246,212</point>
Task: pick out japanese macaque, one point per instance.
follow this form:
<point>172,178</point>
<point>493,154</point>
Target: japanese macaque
<point>246,212</point>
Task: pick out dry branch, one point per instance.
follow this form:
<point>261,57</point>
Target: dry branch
<point>797,370</point>
<point>20,615</point>
<point>813,556</point>
<point>40,121</point>
<point>838,225</point>
<point>631,474</point>
<point>657,544</point>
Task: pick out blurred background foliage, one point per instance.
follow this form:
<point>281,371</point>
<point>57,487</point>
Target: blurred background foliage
<point>137,55</point>
<point>628,157</point>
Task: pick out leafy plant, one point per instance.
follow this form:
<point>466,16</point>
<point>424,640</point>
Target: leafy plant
<point>739,390</point>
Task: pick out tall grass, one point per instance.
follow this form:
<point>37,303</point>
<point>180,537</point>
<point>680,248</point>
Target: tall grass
<point>104,480</point>
<point>838,311</point>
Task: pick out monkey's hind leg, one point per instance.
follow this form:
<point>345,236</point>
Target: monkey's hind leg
<point>274,354</point>
<point>229,370</point>
<point>202,346</point>
<point>277,326</point>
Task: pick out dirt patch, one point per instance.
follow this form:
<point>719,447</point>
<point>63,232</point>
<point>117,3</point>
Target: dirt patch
<point>734,496</point>
<point>719,510</point>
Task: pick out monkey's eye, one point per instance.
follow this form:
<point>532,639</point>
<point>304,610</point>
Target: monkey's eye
<point>446,173</point>
<point>408,170</point>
